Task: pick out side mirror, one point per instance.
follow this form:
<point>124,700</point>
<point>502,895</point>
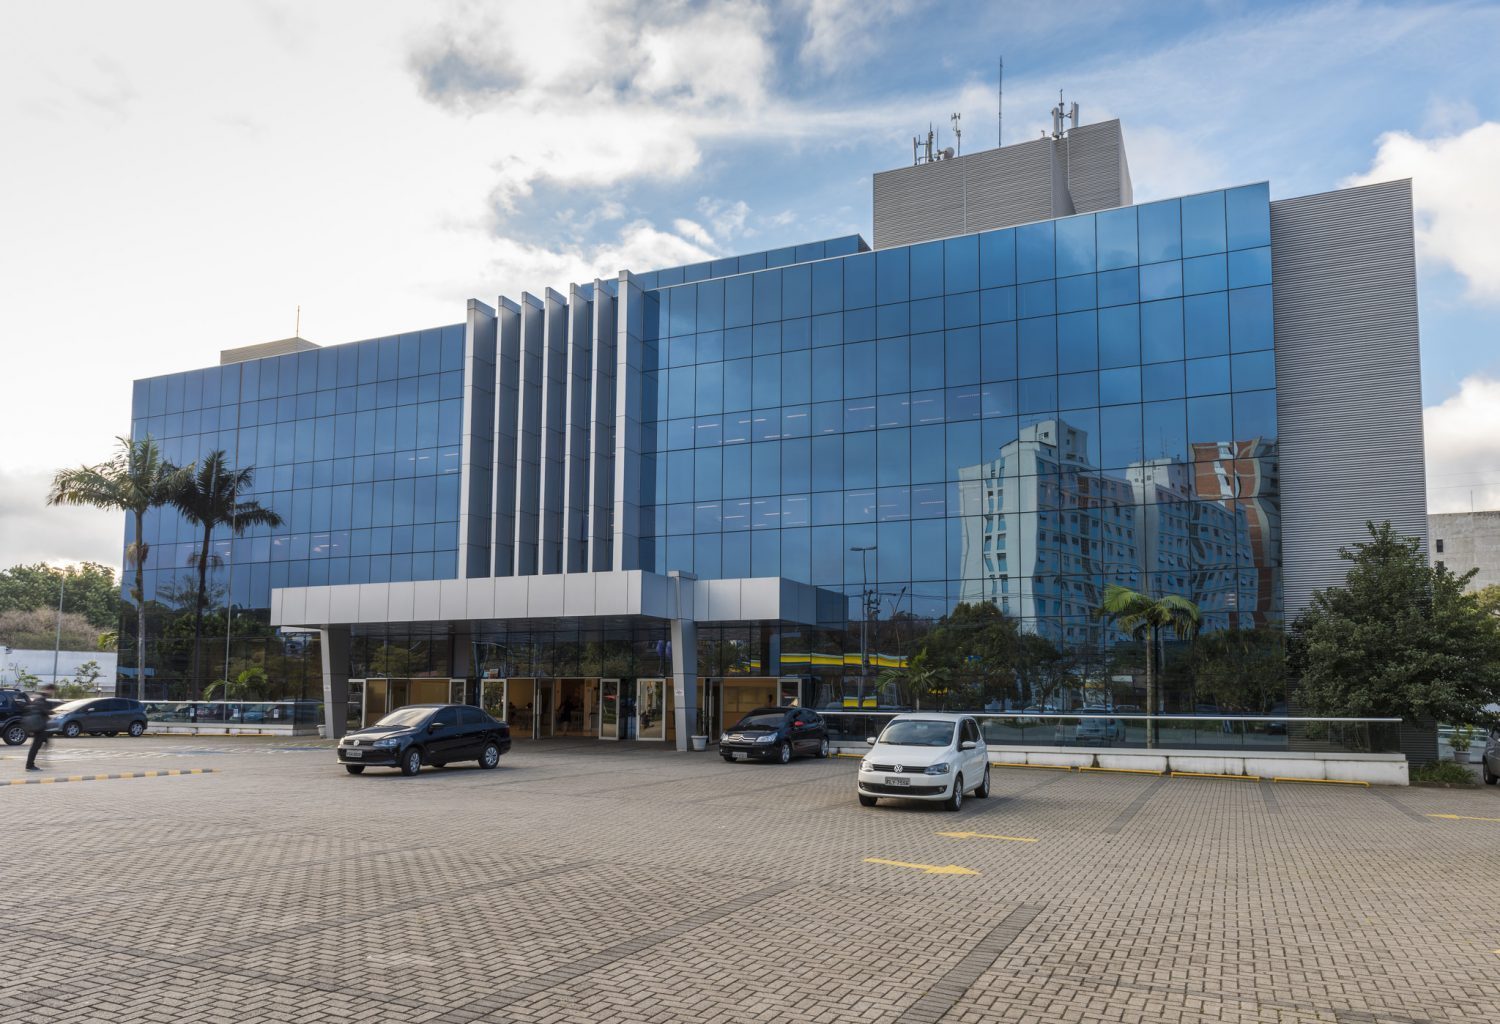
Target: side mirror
<point>870,740</point>
<point>967,745</point>
<point>434,726</point>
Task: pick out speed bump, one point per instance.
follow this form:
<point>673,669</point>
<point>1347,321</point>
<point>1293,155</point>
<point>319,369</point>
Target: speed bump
<point>118,775</point>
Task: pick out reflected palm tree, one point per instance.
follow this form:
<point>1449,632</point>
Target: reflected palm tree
<point>209,498</point>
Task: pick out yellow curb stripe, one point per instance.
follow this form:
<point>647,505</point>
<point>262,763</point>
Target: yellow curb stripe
<point>52,779</point>
<point>1023,764</point>
<point>1461,817</point>
<point>1125,771</point>
<point>1213,775</point>
<point>1322,782</point>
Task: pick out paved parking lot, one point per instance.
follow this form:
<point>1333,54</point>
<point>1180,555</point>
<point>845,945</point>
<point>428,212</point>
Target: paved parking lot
<point>584,882</point>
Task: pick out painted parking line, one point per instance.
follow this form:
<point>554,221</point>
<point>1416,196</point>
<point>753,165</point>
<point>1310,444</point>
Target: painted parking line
<point>117,775</point>
<point>984,835</point>
<point>1461,817</point>
<point>930,869</point>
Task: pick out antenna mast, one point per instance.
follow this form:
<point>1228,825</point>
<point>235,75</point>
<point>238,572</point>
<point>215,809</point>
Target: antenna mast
<point>297,331</point>
<point>1000,95</point>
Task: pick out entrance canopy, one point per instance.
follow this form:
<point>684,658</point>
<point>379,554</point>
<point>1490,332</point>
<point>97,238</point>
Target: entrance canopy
<point>582,595</point>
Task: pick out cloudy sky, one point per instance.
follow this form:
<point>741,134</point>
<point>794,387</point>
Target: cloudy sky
<point>181,176</point>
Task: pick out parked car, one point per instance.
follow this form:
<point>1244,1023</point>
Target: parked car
<point>1490,760</point>
<point>432,734</point>
<point>924,756</point>
<point>98,716</point>
<point>1101,730</point>
<point>775,734</point>
<point>12,708</point>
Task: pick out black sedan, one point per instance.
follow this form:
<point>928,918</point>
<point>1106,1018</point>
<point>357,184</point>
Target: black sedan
<point>433,734</point>
<point>775,734</point>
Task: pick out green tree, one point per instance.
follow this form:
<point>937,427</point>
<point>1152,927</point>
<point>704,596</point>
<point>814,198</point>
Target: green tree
<point>37,630</point>
<point>1399,638</point>
<point>88,589</point>
<point>136,480</point>
<point>209,498</point>
<point>975,644</point>
<point>248,684</point>
<point>1144,617</point>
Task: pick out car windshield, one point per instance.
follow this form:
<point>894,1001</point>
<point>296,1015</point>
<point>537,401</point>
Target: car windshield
<point>918,733</point>
<point>767,720</point>
<point>404,719</point>
<point>72,705</point>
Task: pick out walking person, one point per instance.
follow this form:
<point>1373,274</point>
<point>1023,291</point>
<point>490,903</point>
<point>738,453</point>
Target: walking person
<point>35,721</point>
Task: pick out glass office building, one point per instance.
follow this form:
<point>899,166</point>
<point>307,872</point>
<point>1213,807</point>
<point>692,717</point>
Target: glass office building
<point>1012,416</point>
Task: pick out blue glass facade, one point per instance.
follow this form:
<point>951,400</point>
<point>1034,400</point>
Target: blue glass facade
<point>1019,416</point>
<point>1022,415</point>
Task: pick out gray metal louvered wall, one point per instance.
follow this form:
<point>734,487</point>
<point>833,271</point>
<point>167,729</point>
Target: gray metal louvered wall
<point>996,188</point>
<point>1348,377</point>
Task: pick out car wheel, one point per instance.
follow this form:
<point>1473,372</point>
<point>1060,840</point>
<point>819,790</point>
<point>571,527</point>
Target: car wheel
<point>956,801</point>
<point>983,789</point>
<point>866,801</point>
<point>71,730</point>
<point>354,769</point>
<point>489,757</point>
<point>784,753</point>
<point>137,729</point>
<point>823,747</point>
<point>15,734</point>
<point>411,762</point>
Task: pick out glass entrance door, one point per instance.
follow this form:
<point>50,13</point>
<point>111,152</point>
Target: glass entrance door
<point>546,707</point>
<point>651,709</point>
<point>492,698</point>
<point>609,709</point>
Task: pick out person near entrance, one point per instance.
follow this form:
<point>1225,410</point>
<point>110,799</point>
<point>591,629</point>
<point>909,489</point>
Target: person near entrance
<point>565,714</point>
<point>35,721</point>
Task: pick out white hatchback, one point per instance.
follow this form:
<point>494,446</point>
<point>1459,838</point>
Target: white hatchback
<point>926,756</point>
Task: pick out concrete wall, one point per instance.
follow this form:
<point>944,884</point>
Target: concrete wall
<point>1469,540</point>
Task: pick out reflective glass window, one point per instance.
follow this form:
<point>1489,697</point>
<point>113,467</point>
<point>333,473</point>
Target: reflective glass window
<point>1116,234</point>
<point>1077,341</point>
<point>1119,386</point>
<point>1161,280</point>
<point>962,356</point>
<point>961,264</point>
<point>1037,346</point>
<point>1250,326</point>
<point>1203,274</point>
<point>1207,376</point>
<point>859,281</point>
<point>1036,299</point>
<point>1074,293</point>
<point>997,304</point>
<point>1203,224</point>
<point>1075,246</point>
<point>1160,231</point>
<point>1254,370</point>
<point>1119,336</point>
<point>1248,214</point>
<point>1117,287</point>
<point>1161,330</point>
<point>1119,435</point>
<point>926,270</point>
<point>1250,267</point>
<point>892,276</point>
<point>927,356</point>
<point>1034,252</point>
<point>997,258</point>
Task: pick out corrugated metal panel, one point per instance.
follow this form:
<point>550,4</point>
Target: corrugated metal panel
<point>913,204</point>
<point>629,355</point>
<point>576,430</point>
<point>529,438</point>
<point>507,417</point>
<point>1014,185</point>
<point>1348,377</point>
<point>554,445</point>
<point>1097,179</point>
<point>477,453</point>
<point>602,436</point>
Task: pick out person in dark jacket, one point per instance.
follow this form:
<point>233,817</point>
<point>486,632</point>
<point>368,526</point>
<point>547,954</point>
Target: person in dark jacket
<point>35,720</point>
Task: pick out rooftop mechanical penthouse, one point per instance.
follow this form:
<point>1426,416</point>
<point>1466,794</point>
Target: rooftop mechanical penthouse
<point>648,502</point>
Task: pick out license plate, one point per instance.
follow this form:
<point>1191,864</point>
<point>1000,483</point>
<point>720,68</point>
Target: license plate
<point>740,755</point>
<point>354,753</point>
<point>897,780</point>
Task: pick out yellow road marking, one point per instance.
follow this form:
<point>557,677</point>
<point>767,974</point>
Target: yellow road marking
<point>931,869</point>
<point>1213,775</point>
<point>985,835</point>
<point>52,779</point>
<point>1125,771</point>
<point>1023,764</point>
<point>1321,782</point>
<point>1462,817</point>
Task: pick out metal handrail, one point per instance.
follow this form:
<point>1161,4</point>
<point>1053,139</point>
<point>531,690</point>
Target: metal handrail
<point>1109,715</point>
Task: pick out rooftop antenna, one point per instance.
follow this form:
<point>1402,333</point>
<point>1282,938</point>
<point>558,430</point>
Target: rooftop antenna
<point>1060,114</point>
<point>958,133</point>
<point>297,331</point>
<point>1000,95</point>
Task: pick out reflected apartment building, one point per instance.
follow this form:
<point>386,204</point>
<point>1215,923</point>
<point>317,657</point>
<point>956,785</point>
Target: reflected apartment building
<point>684,488</point>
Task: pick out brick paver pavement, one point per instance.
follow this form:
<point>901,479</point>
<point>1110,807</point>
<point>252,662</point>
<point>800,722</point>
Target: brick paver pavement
<point>588,882</point>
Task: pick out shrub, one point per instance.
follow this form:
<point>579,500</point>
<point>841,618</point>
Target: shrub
<point>1442,771</point>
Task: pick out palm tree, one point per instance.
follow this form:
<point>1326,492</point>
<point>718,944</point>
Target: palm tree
<point>136,480</point>
<point>1144,617</point>
<point>209,498</point>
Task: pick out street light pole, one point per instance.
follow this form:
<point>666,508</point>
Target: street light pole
<point>62,585</point>
<point>864,620</point>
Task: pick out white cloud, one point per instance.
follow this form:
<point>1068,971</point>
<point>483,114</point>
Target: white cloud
<point>1462,436</point>
<point>843,32</point>
<point>1457,202</point>
<point>694,232</point>
<point>33,531</point>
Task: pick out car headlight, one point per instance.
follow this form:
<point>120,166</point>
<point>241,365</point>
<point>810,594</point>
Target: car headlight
<point>766,739</point>
<point>723,737</point>
<point>866,766</point>
<point>941,768</point>
<point>391,742</point>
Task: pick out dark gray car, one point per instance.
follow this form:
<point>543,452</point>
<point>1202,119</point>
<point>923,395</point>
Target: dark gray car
<point>98,716</point>
<point>1489,761</point>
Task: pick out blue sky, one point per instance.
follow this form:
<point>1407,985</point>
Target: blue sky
<point>194,172</point>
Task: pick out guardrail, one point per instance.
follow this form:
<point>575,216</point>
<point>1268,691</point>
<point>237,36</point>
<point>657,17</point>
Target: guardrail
<point>1178,732</point>
<point>291,716</point>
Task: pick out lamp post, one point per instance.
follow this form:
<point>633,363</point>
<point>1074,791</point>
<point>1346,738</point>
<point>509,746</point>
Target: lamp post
<point>864,620</point>
<point>62,585</point>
